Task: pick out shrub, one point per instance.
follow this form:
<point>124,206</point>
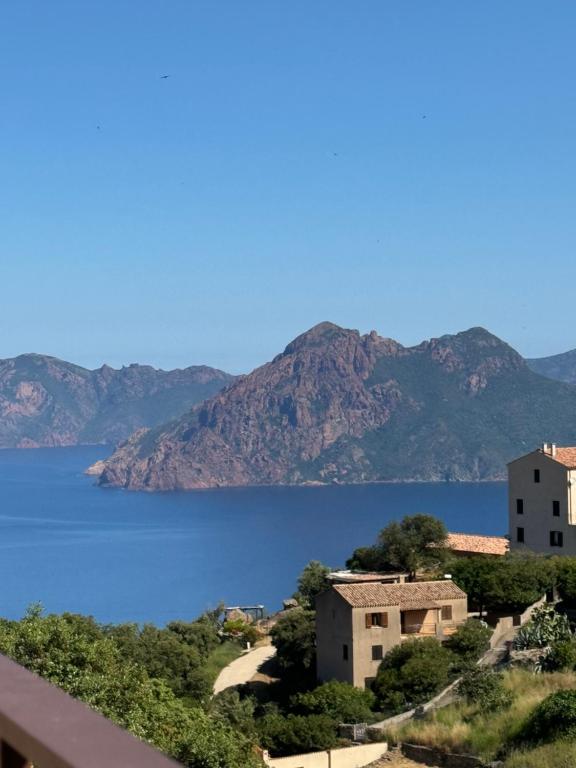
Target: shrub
<point>412,673</point>
<point>485,688</point>
<point>294,637</point>
<point>296,733</point>
<point>340,701</point>
<point>470,640</point>
<point>562,656</point>
<point>545,627</point>
<point>245,632</point>
<point>553,718</point>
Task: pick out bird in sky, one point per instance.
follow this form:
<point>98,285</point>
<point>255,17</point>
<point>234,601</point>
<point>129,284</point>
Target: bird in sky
<point>164,77</point>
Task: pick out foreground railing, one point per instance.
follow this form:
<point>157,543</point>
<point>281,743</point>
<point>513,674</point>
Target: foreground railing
<point>41,724</point>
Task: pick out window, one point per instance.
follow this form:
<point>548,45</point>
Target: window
<point>556,539</point>
<point>344,652</point>
<point>519,506</point>
<point>536,475</point>
<point>446,613</point>
<point>556,508</point>
<point>376,620</point>
<point>376,653</point>
<point>369,682</point>
<point>520,535</point>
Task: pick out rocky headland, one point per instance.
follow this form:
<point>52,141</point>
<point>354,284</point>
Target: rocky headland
<point>339,407</point>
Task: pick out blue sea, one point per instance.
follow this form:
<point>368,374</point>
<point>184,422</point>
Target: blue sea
<point>125,556</point>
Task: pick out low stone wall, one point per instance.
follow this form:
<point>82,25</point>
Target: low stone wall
<point>435,757</point>
<point>347,757</point>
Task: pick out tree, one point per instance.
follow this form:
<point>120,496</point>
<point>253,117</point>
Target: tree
<point>485,688</point>
<point>566,577</point>
<point>294,637</point>
<point>412,673</point>
<point>470,640</point>
<point>340,701</point>
<point>414,543</point>
<point>509,584</point>
<point>163,654</point>
<point>311,582</point>
<point>81,658</point>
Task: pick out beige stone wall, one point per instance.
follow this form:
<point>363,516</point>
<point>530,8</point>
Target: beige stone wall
<point>538,519</point>
<point>333,631</point>
<point>348,757</point>
<point>366,637</point>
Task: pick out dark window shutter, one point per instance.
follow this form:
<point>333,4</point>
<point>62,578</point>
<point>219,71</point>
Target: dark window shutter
<point>368,620</point>
<point>384,619</point>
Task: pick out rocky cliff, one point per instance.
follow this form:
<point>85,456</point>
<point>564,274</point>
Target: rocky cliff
<point>48,402</point>
<point>336,406</point>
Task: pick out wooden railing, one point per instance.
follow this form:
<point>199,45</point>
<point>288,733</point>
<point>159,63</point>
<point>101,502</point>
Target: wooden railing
<point>42,725</point>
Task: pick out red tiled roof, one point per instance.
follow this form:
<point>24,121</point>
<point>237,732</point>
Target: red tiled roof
<point>419,592</point>
<point>566,456</point>
<point>482,545</point>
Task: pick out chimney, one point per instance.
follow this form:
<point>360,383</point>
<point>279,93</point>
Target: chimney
<point>545,448</point>
<point>553,449</point>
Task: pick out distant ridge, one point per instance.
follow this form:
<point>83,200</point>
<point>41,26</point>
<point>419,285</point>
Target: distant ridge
<point>49,402</point>
<point>339,407</point>
<point>560,367</point>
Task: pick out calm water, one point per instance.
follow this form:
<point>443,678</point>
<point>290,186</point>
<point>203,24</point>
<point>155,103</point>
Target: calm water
<point>153,557</point>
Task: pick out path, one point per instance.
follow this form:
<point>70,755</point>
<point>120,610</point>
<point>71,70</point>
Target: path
<point>243,669</point>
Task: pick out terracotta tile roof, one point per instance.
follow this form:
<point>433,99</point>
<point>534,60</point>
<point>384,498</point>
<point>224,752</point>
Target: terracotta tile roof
<point>419,592</point>
<point>566,456</point>
<point>482,545</point>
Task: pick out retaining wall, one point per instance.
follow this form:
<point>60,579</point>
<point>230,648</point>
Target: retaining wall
<point>348,757</point>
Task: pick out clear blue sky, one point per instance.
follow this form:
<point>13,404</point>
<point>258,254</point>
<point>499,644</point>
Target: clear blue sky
<point>408,166</point>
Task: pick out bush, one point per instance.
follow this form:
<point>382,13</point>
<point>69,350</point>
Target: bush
<point>470,640</point>
<point>562,656</point>
<point>553,718</point>
<point>544,628</point>
<point>340,701</point>
<point>246,633</point>
<point>485,688</point>
<point>412,673</point>
<point>294,734</point>
<point>294,637</point>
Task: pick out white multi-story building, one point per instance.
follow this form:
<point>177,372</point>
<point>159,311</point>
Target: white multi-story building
<point>542,500</point>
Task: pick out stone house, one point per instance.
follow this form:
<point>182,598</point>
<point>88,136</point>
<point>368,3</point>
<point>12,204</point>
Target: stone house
<point>542,500</point>
<point>357,624</point>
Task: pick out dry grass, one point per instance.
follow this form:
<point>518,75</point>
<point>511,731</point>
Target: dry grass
<point>461,728</point>
<point>560,754</point>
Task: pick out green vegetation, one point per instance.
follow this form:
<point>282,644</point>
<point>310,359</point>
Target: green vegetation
<point>294,637</point>
<point>293,734</point>
<point>470,728</point>
<point>131,676</point>
<point>414,543</point>
<point>507,584</point>
<point>412,673</point>
<point>470,641</point>
<point>311,582</point>
<point>545,627</point>
<point>485,688</point>
<point>340,701</point>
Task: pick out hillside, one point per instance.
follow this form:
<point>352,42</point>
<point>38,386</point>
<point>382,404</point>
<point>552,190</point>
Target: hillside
<point>48,402</point>
<point>336,406</point>
<point>560,367</point>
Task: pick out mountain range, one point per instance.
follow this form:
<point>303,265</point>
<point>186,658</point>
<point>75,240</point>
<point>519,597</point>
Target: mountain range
<point>48,402</point>
<point>339,407</point>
